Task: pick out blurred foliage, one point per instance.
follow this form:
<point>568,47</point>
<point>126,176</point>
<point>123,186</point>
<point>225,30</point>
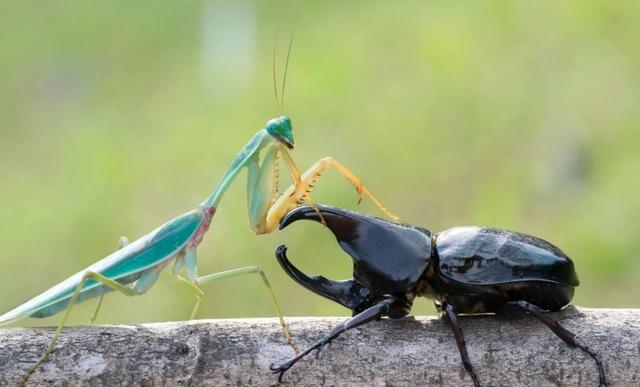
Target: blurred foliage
<point>116,116</point>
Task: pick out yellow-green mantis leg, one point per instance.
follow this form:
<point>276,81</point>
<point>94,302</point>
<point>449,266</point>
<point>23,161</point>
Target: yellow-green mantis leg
<point>309,179</point>
<point>266,208</point>
<point>144,283</point>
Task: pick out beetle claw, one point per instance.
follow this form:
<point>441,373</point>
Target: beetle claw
<point>280,370</point>
<point>321,345</point>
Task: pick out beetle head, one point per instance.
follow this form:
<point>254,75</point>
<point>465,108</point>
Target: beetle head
<point>388,258</point>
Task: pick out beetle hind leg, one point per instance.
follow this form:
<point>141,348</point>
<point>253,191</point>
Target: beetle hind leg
<point>564,334</point>
<point>450,313</point>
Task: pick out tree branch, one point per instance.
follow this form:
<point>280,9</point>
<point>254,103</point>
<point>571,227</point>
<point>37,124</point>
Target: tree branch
<point>408,352</point>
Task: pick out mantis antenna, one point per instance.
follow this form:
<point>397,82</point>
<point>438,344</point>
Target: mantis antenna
<point>286,65</point>
<point>273,68</point>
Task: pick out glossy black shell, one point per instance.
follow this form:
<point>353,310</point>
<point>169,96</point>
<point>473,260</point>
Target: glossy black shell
<point>485,256</point>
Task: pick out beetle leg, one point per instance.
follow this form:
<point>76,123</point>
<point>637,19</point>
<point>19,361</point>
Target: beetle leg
<point>566,336</point>
<point>371,314</point>
<point>462,346</point>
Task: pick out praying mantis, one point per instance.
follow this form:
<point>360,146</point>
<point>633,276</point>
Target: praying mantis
<point>134,268</point>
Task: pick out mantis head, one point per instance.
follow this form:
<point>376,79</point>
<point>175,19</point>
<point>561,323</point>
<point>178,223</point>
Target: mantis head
<point>280,128</point>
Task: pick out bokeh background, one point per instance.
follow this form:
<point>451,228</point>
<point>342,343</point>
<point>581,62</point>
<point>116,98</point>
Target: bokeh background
<point>116,116</point>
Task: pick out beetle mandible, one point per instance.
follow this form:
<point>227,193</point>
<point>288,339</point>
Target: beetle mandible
<point>466,270</point>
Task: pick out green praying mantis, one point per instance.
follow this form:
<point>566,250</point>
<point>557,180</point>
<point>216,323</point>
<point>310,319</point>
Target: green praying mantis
<point>134,268</point>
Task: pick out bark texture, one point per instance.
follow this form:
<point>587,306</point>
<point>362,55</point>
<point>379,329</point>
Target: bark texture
<point>418,351</point>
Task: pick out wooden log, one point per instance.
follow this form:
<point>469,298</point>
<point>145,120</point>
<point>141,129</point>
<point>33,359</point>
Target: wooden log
<point>418,351</point>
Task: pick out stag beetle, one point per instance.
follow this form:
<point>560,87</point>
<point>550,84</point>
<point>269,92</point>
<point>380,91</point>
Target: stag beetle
<point>466,270</point>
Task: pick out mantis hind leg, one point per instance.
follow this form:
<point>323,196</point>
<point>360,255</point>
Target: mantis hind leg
<point>253,270</point>
<point>196,291</point>
<point>142,285</point>
<point>122,242</point>
<point>188,260</point>
<point>94,316</point>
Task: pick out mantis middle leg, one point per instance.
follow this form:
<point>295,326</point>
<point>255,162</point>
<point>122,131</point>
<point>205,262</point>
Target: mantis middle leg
<point>255,270</point>
<point>189,261</point>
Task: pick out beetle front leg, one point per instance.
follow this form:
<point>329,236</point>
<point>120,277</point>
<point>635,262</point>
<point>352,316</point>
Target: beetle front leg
<point>371,314</point>
<point>450,313</point>
<point>566,336</point>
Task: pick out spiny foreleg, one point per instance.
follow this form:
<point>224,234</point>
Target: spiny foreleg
<point>298,194</point>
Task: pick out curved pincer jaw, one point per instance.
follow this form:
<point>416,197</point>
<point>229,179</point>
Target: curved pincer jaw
<point>347,293</point>
<point>389,258</point>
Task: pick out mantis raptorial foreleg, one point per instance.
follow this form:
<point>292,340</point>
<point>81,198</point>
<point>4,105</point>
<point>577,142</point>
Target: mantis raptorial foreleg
<point>143,284</point>
<point>311,176</point>
<point>262,185</point>
<point>266,208</point>
<point>298,193</point>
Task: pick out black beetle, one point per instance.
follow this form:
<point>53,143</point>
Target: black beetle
<point>466,270</point>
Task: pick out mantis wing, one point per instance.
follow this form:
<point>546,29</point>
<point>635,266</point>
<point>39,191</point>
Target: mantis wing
<point>125,266</point>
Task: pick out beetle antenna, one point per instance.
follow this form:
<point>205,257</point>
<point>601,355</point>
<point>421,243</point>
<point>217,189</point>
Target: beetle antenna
<point>273,68</point>
<point>286,65</point>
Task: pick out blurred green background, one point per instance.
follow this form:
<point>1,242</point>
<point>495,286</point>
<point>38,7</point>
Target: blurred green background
<point>116,116</point>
